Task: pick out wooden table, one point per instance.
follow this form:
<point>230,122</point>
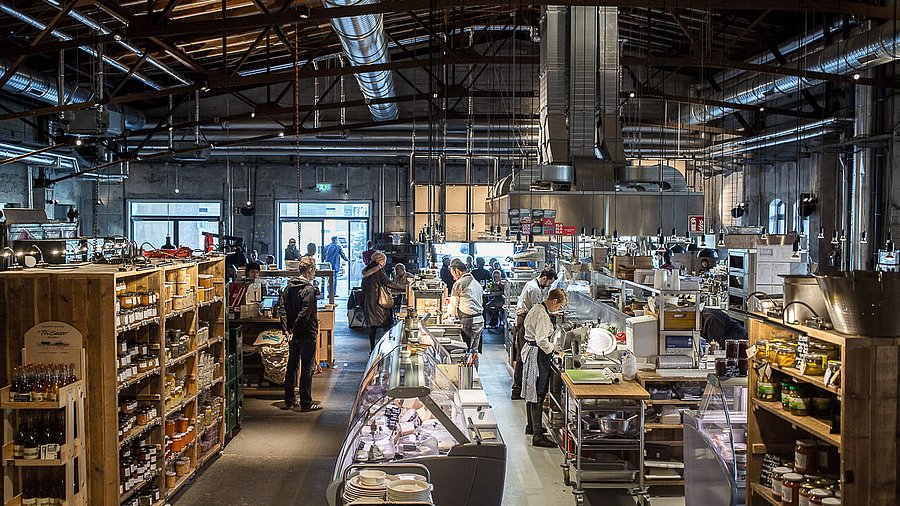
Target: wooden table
<point>620,390</point>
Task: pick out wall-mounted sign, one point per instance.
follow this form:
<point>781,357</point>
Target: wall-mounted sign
<point>696,224</point>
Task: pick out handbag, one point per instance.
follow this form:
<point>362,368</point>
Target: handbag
<point>385,299</point>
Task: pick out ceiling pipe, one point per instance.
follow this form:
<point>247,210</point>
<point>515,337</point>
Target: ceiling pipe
<point>21,16</point>
<point>97,27</point>
<point>864,50</point>
<point>364,43</point>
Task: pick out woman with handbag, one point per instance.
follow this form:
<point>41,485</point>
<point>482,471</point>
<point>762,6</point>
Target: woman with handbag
<point>376,286</point>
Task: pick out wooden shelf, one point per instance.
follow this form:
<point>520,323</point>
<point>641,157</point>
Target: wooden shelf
<point>656,482</point>
<point>208,303</point>
<point>662,426</point>
<point>180,406</point>
<point>136,325</point>
<point>827,336</point>
<point>812,380</point>
<point>176,361</point>
<point>210,453</point>
<point>764,493</point>
<point>138,430</point>
<point>810,424</point>
<point>180,483</point>
<point>215,382</point>
<point>181,312</point>
<point>210,426</point>
<point>137,488</point>
<point>60,402</point>
<point>137,379</point>
<point>176,456</point>
<point>211,342</point>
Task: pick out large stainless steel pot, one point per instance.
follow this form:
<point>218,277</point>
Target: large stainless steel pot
<point>616,424</point>
<point>805,289</point>
<point>863,302</point>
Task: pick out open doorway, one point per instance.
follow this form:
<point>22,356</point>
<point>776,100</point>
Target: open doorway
<point>319,222</point>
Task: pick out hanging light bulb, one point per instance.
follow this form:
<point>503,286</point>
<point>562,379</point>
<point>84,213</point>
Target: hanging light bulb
<point>834,237</point>
<point>615,234</point>
<point>862,238</point>
<point>593,233</point>
<point>843,236</point>
<point>397,204</point>
<point>821,232</point>
<point>889,247</point>
<point>721,243</point>
<point>249,203</point>
<point>764,235</point>
<point>583,231</point>
<point>603,233</point>
<point>674,232</point>
<point>796,249</point>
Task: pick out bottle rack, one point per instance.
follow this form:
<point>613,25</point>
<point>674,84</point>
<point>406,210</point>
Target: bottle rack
<point>87,297</point>
<point>71,454</point>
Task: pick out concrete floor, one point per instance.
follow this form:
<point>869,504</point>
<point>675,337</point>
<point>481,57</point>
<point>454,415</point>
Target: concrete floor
<point>287,458</point>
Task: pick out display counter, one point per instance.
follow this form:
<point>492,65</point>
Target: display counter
<point>411,410</point>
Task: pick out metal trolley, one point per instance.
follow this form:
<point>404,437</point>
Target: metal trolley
<point>603,457</point>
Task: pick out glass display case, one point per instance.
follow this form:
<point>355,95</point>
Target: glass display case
<point>715,445</point>
<point>410,410</point>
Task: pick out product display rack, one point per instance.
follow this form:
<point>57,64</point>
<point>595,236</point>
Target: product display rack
<point>71,453</point>
<point>868,416</point>
<point>86,297</point>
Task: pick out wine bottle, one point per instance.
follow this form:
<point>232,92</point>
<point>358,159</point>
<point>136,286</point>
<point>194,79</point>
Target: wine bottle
<point>29,496</point>
<point>19,441</point>
<point>49,446</point>
<point>37,388</point>
<point>43,494</point>
<point>52,391</point>
<point>31,448</point>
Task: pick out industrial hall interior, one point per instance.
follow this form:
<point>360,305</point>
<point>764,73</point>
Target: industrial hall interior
<point>449,253</point>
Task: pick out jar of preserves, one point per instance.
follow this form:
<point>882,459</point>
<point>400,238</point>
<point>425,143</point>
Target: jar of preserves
<point>767,391</point>
<point>762,349</point>
<point>805,490</point>
<point>831,501</point>
<point>777,476</point>
<point>821,405</point>
<point>786,355</point>
<point>790,489</point>
<point>805,457</point>
<point>829,350</point>
<point>182,467</point>
<point>815,364</point>
<point>772,349</point>
<point>818,495</point>
<point>800,404</point>
<point>787,391</point>
<point>827,460</point>
<point>833,375</point>
<point>145,299</point>
<point>171,479</point>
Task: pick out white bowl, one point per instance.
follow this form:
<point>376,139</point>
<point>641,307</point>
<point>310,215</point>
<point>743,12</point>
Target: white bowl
<point>372,477</point>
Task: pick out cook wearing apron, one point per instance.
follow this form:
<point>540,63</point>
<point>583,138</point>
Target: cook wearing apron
<point>532,294</point>
<point>466,303</point>
<point>538,349</point>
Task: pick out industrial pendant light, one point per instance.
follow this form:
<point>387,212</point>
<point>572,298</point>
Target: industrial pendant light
<point>889,248</point>
<point>795,247</point>
<point>721,243</point>
<point>843,235</point>
<point>834,237</point>
<point>168,244</point>
<point>764,235</point>
<point>821,232</point>
<point>862,238</point>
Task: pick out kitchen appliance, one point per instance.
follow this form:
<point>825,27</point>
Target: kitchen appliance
<point>803,289</point>
<point>863,302</point>
<point>641,335</point>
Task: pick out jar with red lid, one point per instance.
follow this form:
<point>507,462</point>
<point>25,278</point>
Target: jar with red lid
<point>790,489</point>
<point>805,456</point>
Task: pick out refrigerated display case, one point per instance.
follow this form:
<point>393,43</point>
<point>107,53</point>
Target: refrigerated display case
<point>409,410</point>
<point>715,445</point>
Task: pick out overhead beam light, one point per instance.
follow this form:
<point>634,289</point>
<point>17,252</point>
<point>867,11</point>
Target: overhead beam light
<point>856,76</point>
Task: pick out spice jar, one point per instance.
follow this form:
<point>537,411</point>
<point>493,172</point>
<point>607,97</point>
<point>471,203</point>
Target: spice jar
<point>805,457</point>
<point>786,355</point>
<point>790,489</point>
<point>815,363</point>
<point>777,477</point>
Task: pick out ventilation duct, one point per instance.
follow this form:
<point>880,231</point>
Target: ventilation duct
<point>864,50</point>
<point>39,86</point>
<point>364,43</point>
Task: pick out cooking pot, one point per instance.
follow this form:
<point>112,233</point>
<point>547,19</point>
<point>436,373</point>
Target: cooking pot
<point>803,289</point>
<point>615,424</point>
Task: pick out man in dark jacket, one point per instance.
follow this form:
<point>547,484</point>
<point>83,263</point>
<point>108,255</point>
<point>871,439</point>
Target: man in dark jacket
<point>446,275</point>
<point>301,322</point>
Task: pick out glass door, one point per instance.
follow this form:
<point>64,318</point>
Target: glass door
<point>310,232</point>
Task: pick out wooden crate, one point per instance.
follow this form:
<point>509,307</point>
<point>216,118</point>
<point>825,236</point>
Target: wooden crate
<point>869,414</point>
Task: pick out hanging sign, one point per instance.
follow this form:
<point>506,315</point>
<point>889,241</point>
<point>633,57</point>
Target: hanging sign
<point>696,224</point>
<point>568,230</point>
<point>54,343</point>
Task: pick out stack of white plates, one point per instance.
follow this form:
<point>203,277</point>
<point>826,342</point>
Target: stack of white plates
<point>368,484</point>
<point>409,490</point>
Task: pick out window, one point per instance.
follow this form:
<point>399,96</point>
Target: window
<point>183,221</point>
<point>777,217</point>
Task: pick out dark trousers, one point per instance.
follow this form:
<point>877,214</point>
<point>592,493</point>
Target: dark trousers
<point>543,383</point>
<point>302,355</point>
<point>374,335</point>
<point>517,353</point>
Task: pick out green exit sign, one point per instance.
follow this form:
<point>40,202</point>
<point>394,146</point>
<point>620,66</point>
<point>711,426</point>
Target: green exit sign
<point>323,187</point>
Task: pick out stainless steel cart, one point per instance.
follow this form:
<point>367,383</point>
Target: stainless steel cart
<point>601,459</point>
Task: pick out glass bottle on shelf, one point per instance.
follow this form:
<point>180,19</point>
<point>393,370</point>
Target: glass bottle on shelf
<point>52,391</point>
<point>29,494</point>
<point>37,387</point>
<point>31,449</point>
<point>19,440</point>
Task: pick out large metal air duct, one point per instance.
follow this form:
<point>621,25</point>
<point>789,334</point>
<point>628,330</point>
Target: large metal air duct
<point>864,50</point>
<point>364,43</point>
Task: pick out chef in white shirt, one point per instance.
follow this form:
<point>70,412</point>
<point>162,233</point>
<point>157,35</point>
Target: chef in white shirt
<point>532,294</point>
<point>536,362</point>
<point>467,304</point>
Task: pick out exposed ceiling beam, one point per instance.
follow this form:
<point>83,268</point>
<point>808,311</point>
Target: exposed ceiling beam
<point>650,95</point>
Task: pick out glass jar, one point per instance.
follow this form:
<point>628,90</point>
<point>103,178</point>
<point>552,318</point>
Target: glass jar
<point>171,479</point>
<point>831,501</point>
<point>145,299</point>
<point>772,349</point>
<point>786,355</point>
<point>800,404</point>
<point>787,391</point>
<point>790,489</point>
<point>817,495</point>
<point>762,349</point>
<point>767,391</point>
<point>805,456</point>
<point>777,476</point>
<point>182,467</point>
<point>805,490</point>
<point>732,348</point>
<point>831,351</point>
<point>834,373</point>
<point>816,363</point>
<point>827,460</point>
<point>821,405</point>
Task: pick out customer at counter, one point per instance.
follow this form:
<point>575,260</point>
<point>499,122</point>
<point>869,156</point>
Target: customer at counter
<point>532,293</point>
<point>446,275</point>
<point>466,304</point>
<point>536,362</point>
<point>481,274</point>
<point>376,286</point>
<point>301,322</point>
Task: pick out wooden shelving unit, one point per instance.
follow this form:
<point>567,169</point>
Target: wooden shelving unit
<point>17,472</point>
<point>866,436</point>
<point>86,298</point>
<point>668,436</point>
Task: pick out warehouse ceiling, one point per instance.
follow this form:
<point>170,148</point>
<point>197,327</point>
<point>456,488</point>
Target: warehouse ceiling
<point>452,63</point>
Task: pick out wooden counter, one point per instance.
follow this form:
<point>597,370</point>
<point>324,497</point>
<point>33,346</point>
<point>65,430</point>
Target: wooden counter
<point>621,390</point>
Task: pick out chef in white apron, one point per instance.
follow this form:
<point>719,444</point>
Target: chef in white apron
<point>538,349</point>
<point>467,304</point>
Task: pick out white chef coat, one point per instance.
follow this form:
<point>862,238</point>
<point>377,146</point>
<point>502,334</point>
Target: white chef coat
<point>539,328</point>
<point>532,295</point>
<point>466,297</point>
